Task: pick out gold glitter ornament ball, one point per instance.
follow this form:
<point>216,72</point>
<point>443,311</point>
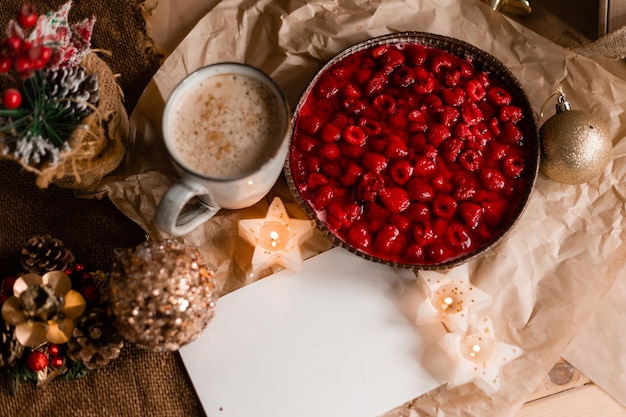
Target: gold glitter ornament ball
<point>162,295</point>
<point>575,147</point>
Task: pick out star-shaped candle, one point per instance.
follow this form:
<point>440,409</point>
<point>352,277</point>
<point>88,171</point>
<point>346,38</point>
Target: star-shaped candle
<point>479,356</point>
<point>450,297</point>
<point>276,238</point>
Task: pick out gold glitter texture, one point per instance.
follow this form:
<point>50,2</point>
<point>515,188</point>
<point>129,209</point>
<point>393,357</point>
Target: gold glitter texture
<point>162,295</point>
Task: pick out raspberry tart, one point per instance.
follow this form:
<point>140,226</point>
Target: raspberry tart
<point>414,149</point>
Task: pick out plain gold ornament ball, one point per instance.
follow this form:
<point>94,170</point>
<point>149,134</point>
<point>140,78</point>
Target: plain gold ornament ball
<point>575,146</point>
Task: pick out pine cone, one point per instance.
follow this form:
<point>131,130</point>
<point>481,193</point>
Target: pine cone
<point>10,349</point>
<point>95,341</point>
<point>73,91</point>
<point>43,254</point>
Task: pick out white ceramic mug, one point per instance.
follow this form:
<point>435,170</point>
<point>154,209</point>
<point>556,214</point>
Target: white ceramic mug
<point>226,127</point>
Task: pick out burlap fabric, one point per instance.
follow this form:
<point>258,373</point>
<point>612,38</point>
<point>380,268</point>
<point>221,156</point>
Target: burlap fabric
<point>139,382</point>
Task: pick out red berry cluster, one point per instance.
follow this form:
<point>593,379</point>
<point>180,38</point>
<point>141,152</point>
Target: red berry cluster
<point>51,355</point>
<point>410,154</point>
<point>82,281</point>
<point>21,55</point>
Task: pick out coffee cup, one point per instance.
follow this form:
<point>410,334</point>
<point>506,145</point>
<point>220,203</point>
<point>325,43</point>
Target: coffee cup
<point>226,128</point>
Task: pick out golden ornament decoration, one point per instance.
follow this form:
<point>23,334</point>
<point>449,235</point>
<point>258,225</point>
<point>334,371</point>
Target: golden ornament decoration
<point>162,295</point>
<point>575,146</point>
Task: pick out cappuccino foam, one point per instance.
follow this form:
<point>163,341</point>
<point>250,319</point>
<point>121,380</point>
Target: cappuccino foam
<point>226,125</point>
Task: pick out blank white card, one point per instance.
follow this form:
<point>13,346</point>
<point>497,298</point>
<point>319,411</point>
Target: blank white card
<point>331,340</point>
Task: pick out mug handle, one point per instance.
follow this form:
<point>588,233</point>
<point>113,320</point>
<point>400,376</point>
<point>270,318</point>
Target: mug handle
<point>170,217</point>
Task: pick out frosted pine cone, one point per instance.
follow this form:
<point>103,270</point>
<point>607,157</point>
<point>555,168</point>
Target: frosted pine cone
<point>10,349</point>
<point>43,254</point>
<point>95,341</point>
<point>72,90</point>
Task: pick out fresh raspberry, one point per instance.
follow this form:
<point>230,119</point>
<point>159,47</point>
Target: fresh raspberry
<point>400,220</point>
<point>425,82</point>
<point>331,169</point>
<point>374,162</point>
<point>444,206</point>
<point>471,160</point>
<point>419,123</point>
<point>349,90</point>
<point>341,120</point>
<point>351,151</point>
<point>351,175</point>
<point>322,197</point>
<point>354,105</point>
<point>329,151</point>
<point>498,96</point>
<point>437,133</point>
<point>417,142</point>
<point>497,151</point>
<point>465,188</point>
<point>389,240</point>
<point>471,114</point>
<point>441,184</point>
<point>454,96</point>
<point>362,74</point>
<point>392,59</point>
<point>316,180</point>
<point>431,152</point>
<point>415,253</point>
<point>424,167</point>
<point>494,127</point>
<point>368,186</point>
<point>441,61</point>
<point>452,78</point>
<point>475,90</point>
<point>371,127</point>
<point>513,166</point>
<point>359,236</point>
<point>336,217</point>
<point>458,235</point>
<point>394,199</point>
<point>462,130</point>
<point>327,87</point>
<point>492,179</point>
<point>403,76</point>
<point>431,103</point>
<point>418,212</point>
<point>354,135</point>
<point>439,252</point>
<point>510,113</point>
<point>395,147</point>
<point>511,134</point>
<point>310,124</point>
<point>341,73</point>
<point>471,214</point>
<point>398,120</point>
<point>494,212</point>
<point>401,171</point>
<point>424,233</point>
<point>448,116</point>
<point>384,103</point>
<point>376,84</point>
<point>451,148</point>
<point>417,54</point>
<point>330,133</point>
<point>420,190</point>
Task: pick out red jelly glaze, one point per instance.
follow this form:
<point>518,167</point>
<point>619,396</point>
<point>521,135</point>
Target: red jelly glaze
<point>436,140</point>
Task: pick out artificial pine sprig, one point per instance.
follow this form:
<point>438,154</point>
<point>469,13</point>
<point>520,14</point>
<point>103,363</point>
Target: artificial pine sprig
<point>38,131</point>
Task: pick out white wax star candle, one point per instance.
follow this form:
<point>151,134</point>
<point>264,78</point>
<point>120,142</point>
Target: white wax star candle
<point>450,296</point>
<point>478,356</point>
<point>276,238</point>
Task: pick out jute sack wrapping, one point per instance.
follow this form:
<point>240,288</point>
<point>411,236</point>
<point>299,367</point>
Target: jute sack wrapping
<point>98,144</point>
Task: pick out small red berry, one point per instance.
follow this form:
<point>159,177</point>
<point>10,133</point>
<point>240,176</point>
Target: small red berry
<point>56,361</point>
<point>354,135</point>
<point>444,206</point>
<point>394,199</point>
<point>5,64</point>
<point>498,96</point>
<point>471,214</point>
<point>401,171</point>
<point>11,98</point>
<point>27,17</point>
<point>37,361</point>
<point>53,350</point>
<point>14,43</point>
